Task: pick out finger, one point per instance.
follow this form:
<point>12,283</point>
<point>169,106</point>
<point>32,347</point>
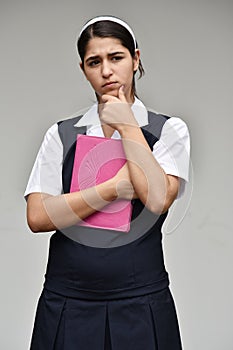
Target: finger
<point>121,94</point>
<point>105,98</point>
<point>108,98</point>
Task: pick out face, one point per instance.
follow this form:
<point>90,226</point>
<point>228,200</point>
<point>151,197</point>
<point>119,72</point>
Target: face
<point>108,65</point>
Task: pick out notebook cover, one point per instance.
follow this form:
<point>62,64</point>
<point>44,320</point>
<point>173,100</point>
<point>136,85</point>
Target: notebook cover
<point>96,160</point>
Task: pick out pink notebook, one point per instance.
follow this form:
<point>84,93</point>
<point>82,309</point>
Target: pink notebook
<point>96,160</point>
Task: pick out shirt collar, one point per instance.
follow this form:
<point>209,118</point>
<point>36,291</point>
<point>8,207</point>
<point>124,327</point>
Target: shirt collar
<point>91,117</point>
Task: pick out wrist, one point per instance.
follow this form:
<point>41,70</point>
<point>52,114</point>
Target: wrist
<point>108,190</point>
<point>128,128</point>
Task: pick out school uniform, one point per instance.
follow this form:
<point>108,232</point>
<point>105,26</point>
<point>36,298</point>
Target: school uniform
<point>105,289</point>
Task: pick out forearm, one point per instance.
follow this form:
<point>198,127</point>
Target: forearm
<point>148,178</point>
<point>47,213</point>
<point>155,189</point>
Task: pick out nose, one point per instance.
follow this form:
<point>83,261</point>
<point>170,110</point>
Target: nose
<point>106,69</point>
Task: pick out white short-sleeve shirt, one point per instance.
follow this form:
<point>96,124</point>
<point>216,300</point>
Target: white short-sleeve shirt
<point>172,151</point>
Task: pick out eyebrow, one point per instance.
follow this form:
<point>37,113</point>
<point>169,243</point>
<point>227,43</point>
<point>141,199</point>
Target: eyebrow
<point>110,55</point>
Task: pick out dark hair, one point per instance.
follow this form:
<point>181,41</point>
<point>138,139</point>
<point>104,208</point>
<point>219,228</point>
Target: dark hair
<point>106,29</point>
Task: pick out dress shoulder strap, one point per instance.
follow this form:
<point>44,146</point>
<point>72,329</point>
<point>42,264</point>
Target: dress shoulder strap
<point>152,131</point>
<point>68,133</point>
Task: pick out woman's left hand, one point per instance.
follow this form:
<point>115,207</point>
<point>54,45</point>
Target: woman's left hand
<point>116,111</point>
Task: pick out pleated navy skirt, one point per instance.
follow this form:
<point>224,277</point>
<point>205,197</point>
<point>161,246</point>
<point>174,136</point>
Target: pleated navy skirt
<point>147,322</point>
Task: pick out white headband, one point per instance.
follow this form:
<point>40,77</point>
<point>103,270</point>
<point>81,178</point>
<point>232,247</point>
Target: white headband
<point>112,19</point>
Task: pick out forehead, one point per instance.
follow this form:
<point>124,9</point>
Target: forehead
<point>98,46</point>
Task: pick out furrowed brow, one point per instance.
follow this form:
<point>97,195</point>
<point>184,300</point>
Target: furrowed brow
<point>91,58</point>
<point>116,53</point>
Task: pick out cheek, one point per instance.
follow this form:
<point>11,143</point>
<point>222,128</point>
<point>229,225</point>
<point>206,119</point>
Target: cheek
<point>94,83</point>
<point>91,77</point>
<point>129,71</point>
<point>128,76</point>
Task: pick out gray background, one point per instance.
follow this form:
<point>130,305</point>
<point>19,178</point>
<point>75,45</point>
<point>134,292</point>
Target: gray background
<point>187,52</point>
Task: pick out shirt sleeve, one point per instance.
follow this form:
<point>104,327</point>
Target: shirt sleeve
<point>172,151</point>
<point>46,174</point>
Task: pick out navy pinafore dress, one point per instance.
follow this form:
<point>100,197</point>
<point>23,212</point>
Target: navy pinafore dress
<point>113,295</point>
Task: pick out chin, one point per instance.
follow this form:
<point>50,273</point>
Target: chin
<point>111,92</point>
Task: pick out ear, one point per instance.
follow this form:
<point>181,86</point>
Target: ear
<point>136,60</point>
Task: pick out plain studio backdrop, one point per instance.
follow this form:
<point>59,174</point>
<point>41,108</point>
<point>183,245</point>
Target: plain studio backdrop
<point>187,53</point>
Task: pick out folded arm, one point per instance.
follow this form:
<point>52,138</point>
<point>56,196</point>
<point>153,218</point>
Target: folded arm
<point>153,186</point>
<point>46,212</point>
<point>156,189</point>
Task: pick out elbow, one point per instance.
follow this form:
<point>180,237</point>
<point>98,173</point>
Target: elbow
<point>34,229</point>
<point>37,222</point>
<point>157,208</point>
<point>153,204</point>
<point>160,206</point>
<point>160,199</point>
<point>34,223</point>
<point>37,216</point>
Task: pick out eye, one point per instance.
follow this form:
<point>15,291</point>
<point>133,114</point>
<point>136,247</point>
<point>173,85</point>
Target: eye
<point>93,63</point>
<point>117,58</point>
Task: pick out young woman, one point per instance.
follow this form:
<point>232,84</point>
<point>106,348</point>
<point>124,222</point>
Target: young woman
<point>106,289</point>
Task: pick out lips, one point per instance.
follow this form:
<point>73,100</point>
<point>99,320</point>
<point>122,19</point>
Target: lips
<point>110,83</point>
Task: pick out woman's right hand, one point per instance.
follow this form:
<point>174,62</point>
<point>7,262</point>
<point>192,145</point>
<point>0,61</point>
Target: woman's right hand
<point>47,213</point>
<point>124,187</point>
